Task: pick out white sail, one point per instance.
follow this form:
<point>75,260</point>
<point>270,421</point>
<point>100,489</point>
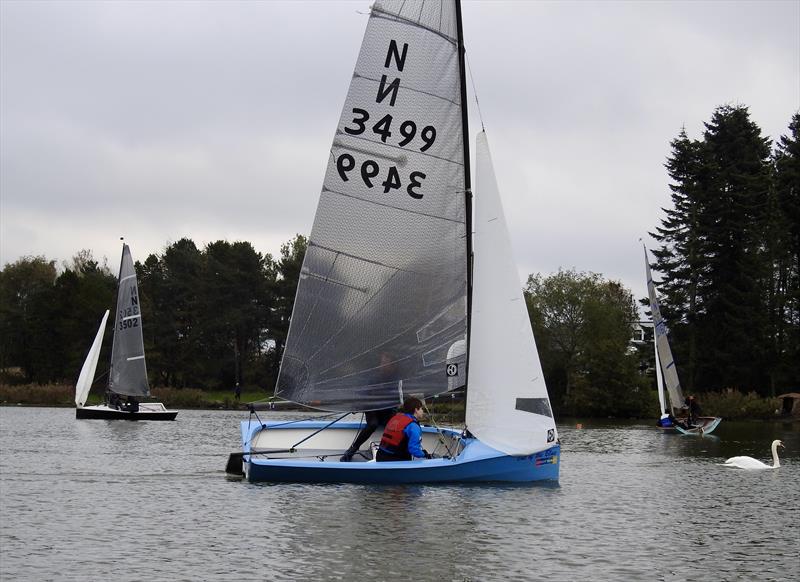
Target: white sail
<point>662,404</point>
<point>507,403</point>
<point>667,363</point>
<point>86,377</point>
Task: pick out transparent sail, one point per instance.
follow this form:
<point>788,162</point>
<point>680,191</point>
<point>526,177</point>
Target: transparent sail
<point>128,374</point>
<point>667,363</point>
<point>508,407</point>
<point>382,292</point>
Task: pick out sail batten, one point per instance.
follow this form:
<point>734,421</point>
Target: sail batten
<point>379,12</point>
<point>412,89</point>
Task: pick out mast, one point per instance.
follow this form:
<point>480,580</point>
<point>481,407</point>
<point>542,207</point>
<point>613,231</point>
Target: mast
<point>467,181</point>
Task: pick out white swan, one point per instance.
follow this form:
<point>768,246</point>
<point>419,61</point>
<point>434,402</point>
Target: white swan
<point>751,463</point>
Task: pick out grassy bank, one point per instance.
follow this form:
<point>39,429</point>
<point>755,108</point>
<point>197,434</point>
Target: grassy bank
<point>728,404</point>
<point>64,395</point>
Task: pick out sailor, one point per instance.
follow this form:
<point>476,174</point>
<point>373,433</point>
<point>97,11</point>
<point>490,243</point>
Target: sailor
<point>402,438</point>
<point>132,405</point>
<point>694,409</point>
<point>114,401</point>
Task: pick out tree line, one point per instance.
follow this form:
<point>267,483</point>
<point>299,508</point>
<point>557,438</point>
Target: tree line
<point>212,317</point>
<point>220,315</point>
<point>728,256</point>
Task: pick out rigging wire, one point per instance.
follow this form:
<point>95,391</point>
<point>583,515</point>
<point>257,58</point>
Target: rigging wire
<point>439,431</point>
<point>474,92</point>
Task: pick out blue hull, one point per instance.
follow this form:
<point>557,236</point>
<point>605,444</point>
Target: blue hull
<point>475,463</point>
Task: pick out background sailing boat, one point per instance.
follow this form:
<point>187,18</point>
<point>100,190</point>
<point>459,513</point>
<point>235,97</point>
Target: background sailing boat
<point>128,373</point>
<point>667,373</point>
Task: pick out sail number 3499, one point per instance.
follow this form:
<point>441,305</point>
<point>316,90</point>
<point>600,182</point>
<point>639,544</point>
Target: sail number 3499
<point>408,129</point>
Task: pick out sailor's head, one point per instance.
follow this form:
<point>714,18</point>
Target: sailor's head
<point>413,405</point>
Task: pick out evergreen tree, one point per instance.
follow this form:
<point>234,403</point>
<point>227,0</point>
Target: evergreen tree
<point>736,186</point>
<point>680,258</point>
<point>82,293</point>
<point>26,286</point>
<point>236,306</point>
<point>169,289</point>
<point>785,246</point>
<point>285,288</point>
<point>714,254</point>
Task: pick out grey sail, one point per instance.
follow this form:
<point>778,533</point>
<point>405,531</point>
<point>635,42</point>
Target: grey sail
<point>382,294</point>
<point>128,374</point>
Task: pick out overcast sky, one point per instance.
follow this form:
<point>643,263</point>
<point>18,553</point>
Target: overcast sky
<point>214,120</point>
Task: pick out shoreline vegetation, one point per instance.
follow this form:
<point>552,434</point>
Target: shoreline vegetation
<point>729,404</point>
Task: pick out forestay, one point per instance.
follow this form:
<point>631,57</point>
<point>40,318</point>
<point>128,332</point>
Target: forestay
<point>382,292</point>
<point>670,374</point>
<point>128,374</point>
<point>507,403</point>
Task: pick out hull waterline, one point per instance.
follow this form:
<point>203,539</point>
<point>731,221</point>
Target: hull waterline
<point>147,411</point>
<point>474,462</point>
<point>709,423</point>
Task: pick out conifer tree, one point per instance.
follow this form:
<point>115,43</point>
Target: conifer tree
<point>679,259</point>
<point>786,256</point>
<point>714,254</point>
<point>736,186</point>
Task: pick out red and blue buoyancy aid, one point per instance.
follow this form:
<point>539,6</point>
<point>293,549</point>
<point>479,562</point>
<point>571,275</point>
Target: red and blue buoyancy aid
<point>394,439</point>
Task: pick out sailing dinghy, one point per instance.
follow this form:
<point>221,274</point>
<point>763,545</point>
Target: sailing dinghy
<point>667,375</point>
<point>392,299</point>
<point>128,373</point>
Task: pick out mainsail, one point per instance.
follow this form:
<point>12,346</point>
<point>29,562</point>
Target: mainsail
<point>664,360</point>
<point>381,299</point>
<point>128,374</point>
<point>507,403</point>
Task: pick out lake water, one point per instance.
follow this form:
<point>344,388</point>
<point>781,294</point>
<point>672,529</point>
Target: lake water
<point>115,500</point>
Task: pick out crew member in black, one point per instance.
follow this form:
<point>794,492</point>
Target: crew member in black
<point>374,420</point>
